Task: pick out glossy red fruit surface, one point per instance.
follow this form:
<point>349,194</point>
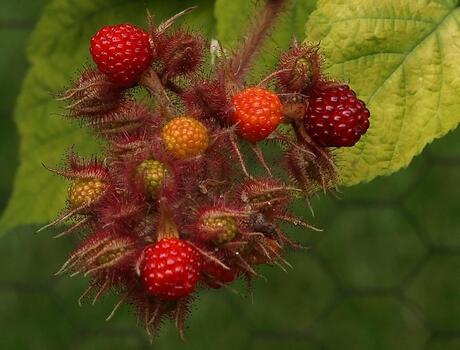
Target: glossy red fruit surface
<point>122,52</point>
<point>336,117</point>
<point>171,268</point>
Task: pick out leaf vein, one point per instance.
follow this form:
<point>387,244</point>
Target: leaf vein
<point>407,55</point>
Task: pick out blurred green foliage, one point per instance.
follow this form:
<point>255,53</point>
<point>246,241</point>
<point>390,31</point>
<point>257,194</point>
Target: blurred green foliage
<point>383,274</point>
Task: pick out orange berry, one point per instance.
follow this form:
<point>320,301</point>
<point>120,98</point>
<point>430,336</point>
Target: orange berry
<point>258,112</point>
<point>267,251</point>
<point>185,137</point>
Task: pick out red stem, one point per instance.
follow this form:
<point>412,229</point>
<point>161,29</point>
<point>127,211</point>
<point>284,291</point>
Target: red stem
<point>258,31</point>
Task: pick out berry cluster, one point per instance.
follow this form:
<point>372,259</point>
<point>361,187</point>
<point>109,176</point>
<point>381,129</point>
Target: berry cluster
<point>173,207</point>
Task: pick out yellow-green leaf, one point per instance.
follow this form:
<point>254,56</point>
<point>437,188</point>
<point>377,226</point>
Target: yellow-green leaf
<point>402,57</point>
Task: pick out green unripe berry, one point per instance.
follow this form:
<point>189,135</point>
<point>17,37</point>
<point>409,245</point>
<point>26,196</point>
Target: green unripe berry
<point>226,227</point>
<point>85,191</point>
<point>303,72</point>
<point>152,174</point>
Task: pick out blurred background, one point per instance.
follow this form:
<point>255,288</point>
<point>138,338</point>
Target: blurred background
<point>384,274</point>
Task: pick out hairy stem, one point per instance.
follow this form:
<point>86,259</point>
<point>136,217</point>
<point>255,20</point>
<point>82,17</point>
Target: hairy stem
<point>258,31</point>
<point>152,82</point>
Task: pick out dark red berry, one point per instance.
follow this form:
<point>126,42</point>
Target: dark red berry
<point>336,117</point>
<point>171,268</point>
<point>122,52</point>
<point>216,275</point>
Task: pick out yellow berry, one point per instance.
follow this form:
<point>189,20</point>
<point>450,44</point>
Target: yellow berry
<point>185,137</point>
<point>153,173</point>
<point>85,191</point>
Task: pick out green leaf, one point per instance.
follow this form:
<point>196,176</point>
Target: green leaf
<point>13,58</point>
<point>57,51</point>
<point>17,24</point>
<point>402,59</point>
<point>233,18</point>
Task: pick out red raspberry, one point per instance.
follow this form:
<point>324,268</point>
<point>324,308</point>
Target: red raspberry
<point>171,268</point>
<point>122,52</point>
<point>216,273</point>
<point>258,113</point>
<point>336,117</point>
